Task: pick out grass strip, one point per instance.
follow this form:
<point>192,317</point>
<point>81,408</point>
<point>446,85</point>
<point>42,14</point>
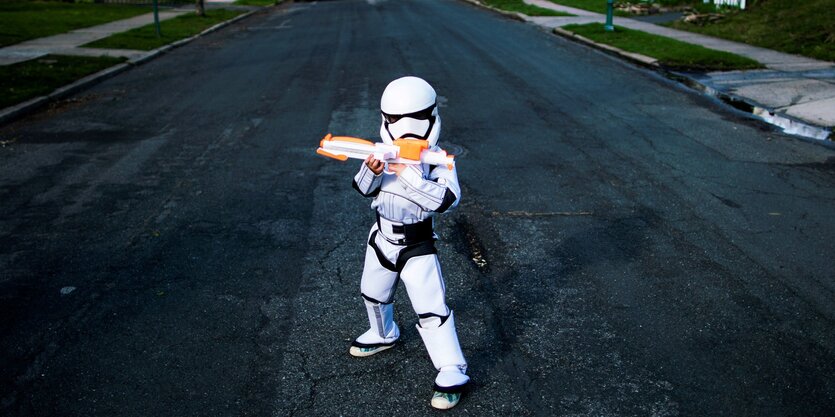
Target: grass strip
<point>524,8</point>
<point>24,20</point>
<point>262,3</point>
<point>145,38</point>
<point>797,27</point>
<point>38,77</point>
<point>669,52</point>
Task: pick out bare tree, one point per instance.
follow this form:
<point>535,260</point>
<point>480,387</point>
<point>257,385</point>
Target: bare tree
<point>200,8</point>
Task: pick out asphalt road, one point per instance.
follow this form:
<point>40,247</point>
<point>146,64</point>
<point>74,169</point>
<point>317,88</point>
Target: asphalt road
<point>172,246</point>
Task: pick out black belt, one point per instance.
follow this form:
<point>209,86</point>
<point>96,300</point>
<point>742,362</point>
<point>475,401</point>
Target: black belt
<point>412,233</point>
<point>426,247</point>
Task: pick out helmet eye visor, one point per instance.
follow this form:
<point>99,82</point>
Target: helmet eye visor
<point>424,114</point>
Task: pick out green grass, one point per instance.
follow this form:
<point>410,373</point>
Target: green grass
<point>24,20</point>
<point>524,8</point>
<point>257,2</point>
<point>669,52</point>
<point>797,27</point>
<point>25,80</point>
<point>180,27</point>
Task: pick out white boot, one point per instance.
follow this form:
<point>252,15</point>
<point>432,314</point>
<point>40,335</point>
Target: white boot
<point>444,350</point>
<point>382,334</point>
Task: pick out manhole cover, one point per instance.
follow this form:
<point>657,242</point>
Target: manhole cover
<point>454,149</point>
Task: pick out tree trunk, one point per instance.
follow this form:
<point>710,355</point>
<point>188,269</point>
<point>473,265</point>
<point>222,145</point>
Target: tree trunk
<point>200,8</point>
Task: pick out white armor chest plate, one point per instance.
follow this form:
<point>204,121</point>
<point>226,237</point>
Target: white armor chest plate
<point>394,203</point>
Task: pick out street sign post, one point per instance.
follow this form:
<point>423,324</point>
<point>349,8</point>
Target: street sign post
<point>156,18</point>
<point>610,27</point>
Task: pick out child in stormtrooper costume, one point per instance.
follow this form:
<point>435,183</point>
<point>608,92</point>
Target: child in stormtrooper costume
<point>401,242</point>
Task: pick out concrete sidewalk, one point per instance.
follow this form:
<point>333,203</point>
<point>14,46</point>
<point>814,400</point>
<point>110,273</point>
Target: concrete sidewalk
<point>70,43</point>
<point>794,92</point>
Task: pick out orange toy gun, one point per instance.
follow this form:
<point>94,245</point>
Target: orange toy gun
<point>403,151</point>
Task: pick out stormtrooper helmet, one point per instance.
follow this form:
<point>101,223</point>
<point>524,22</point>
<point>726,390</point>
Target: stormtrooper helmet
<point>409,110</point>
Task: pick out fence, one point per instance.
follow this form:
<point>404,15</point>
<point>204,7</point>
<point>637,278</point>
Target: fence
<point>730,3</point>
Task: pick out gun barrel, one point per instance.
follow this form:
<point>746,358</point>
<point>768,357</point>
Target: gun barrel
<point>344,147</point>
<point>437,158</point>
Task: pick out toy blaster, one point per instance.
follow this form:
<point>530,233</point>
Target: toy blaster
<point>403,151</point>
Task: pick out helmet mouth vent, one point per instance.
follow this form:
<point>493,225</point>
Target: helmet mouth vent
<point>425,114</point>
<point>412,135</point>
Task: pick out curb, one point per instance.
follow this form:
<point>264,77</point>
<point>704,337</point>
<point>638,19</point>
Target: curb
<point>631,56</point>
<point>18,110</point>
<point>513,15</point>
<point>789,124</point>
